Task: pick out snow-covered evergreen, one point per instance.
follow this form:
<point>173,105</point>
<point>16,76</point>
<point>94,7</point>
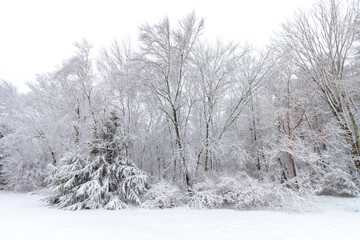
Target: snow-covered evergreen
<point>104,178</point>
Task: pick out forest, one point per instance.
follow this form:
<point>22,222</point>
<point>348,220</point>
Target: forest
<point>175,119</point>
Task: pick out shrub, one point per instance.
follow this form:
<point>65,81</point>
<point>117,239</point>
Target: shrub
<point>162,195</point>
<point>244,193</point>
<point>338,183</point>
<point>204,196</point>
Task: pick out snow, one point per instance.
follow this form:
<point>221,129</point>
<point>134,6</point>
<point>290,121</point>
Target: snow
<point>24,216</point>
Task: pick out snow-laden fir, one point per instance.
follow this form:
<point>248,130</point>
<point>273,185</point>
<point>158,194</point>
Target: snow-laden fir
<point>106,178</point>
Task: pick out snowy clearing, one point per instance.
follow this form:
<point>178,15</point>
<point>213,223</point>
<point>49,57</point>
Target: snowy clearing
<point>24,216</point>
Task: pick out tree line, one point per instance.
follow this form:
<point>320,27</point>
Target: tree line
<point>177,116</point>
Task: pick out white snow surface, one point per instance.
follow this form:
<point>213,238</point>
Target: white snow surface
<point>24,216</point>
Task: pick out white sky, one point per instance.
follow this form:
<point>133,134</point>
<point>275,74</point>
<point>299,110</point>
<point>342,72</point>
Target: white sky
<point>36,35</point>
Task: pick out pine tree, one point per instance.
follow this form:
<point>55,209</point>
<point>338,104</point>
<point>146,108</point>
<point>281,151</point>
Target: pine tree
<point>106,178</point>
<point>66,182</point>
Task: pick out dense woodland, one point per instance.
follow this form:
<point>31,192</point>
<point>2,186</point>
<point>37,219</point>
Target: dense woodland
<point>177,119</point>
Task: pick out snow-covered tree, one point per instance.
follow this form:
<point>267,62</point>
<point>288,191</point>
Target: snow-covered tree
<point>101,178</point>
<point>3,132</point>
<point>23,149</point>
<point>7,95</point>
<point>322,43</point>
<point>165,57</point>
<point>212,125</point>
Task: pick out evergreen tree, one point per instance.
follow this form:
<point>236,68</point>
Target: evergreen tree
<point>106,178</point>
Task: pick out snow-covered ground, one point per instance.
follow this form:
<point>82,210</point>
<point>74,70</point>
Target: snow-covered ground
<point>24,216</point>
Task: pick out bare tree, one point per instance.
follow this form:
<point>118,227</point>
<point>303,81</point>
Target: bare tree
<point>121,91</point>
<point>166,55</point>
<point>216,67</point>
<point>68,94</point>
<point>322,42</point>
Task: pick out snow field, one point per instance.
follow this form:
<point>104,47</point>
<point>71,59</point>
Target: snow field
<point>24,216</point>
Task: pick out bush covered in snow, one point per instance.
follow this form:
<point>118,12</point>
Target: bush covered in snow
<point>245,193</point>
<point>204,196</point>
<point>23,161</point>
<point>338,183</point>
<point>162,195</point>
<point>248,193</point>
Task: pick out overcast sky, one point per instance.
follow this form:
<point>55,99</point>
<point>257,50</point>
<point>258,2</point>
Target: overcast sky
<point>37,35</point>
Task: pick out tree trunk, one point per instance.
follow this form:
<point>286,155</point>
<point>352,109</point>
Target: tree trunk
<point>180,147</point>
